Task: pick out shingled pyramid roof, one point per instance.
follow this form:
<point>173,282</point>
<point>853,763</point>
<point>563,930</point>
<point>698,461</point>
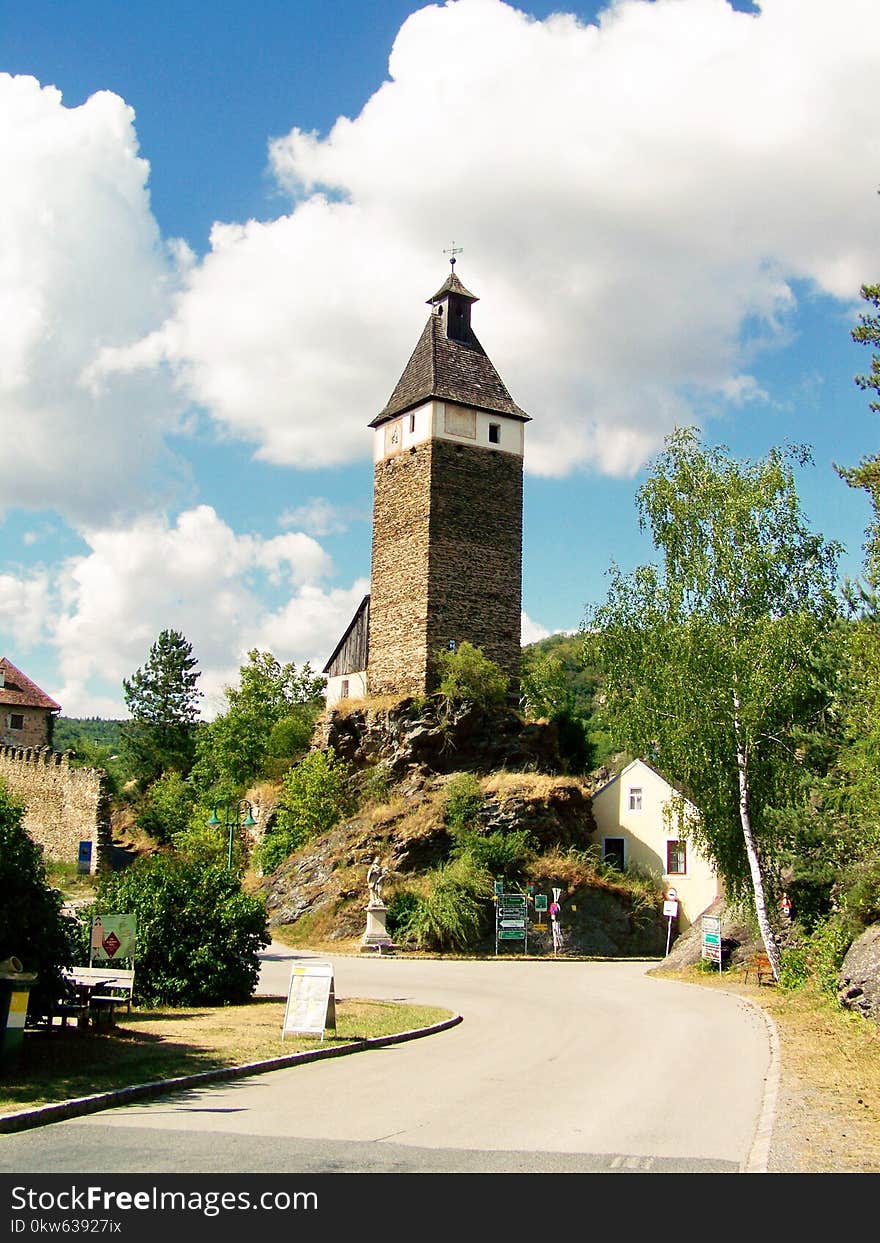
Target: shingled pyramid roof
<point>20,692</point>
<point>450,369</point>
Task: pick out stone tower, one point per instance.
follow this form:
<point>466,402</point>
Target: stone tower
<point>447,509</point>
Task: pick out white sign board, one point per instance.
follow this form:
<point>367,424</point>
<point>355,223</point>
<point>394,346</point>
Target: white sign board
<point>311,1000</point>
<point>670,907</point>
<point>711,938</point>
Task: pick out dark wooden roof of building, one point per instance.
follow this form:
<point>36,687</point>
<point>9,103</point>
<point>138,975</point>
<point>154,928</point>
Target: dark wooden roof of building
<point>448,369</point>
<point>20,692</point>
<point>351,653</point>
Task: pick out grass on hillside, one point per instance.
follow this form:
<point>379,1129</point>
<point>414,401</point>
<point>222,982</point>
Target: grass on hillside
<point>150,1045</point>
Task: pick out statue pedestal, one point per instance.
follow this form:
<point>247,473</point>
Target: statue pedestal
<point>376,935</point>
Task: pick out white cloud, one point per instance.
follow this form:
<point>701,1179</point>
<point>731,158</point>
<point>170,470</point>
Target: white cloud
<point>532,631</point>
<point>201,578</point>
<point>25,605</point>
<point>82,267</point>
<point>631,195</point>
<point>317,517</point>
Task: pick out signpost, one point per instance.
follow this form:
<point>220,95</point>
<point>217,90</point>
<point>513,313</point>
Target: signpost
<point>511,918</point>
<point>311,1000</point>
<point>670,909</point>
<point>711,935</point>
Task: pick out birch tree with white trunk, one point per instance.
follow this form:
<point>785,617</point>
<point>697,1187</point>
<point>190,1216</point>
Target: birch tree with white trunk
<point>708,659</point>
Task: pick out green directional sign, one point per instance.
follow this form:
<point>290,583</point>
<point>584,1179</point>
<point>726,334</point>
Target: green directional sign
<point>540,901</point>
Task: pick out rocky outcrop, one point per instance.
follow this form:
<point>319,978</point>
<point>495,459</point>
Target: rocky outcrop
<point>325,881</point>
<point>418,733</point>
<point>858,981</point>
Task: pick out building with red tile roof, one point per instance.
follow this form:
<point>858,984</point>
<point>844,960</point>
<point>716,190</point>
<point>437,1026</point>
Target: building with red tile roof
<point>27,714</point>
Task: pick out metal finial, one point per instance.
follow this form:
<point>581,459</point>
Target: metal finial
<point>452,251</point>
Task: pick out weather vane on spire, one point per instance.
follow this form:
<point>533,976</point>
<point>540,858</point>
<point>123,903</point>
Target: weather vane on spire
<point>452,251</point>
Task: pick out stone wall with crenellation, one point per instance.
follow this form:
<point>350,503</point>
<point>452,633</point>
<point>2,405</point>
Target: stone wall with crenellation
<point>63,805</point>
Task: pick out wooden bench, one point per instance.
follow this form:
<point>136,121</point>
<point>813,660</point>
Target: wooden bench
<point>106,988</point>
<point>759,966</point>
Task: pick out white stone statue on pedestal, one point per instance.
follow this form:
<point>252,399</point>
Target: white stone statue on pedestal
<point>376,934</point>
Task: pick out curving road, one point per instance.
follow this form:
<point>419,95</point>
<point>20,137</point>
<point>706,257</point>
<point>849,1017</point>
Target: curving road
<point>557,1066</point>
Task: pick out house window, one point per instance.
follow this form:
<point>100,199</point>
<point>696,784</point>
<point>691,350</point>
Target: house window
<point>635,798</point>
<point>345,688</point>
<point>614,852</point>
<point>494,433</point>
<point>16,721</point>
<point>412,422</point>
<point>676,858</point>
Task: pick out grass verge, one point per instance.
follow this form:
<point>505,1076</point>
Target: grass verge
<point>147,1045</point>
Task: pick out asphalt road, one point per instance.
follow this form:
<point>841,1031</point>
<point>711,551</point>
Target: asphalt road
<point>557,1066</point>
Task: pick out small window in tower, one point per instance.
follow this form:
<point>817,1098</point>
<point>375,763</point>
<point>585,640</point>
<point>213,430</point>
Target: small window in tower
<point>494,433</point>
<point>344,688</point>
<point>412,422</point>
<point>16,721</point>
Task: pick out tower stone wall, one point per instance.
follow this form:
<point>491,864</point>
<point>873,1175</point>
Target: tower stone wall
<point>447,562</point>
<point>475,585</point>
<point>399,577</point>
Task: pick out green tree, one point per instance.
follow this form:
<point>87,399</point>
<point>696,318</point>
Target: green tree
<point>270,717</point>
<point>318,792</point>
<point>198,934</point>
<point>708,660</point>
<point>162,700</point>
<point>467,675</point>
<point>867,474</point>
<point>167,807</point>
<point>32,927</point>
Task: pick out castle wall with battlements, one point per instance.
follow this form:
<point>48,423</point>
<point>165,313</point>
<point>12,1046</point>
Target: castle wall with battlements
<point>63,805</point>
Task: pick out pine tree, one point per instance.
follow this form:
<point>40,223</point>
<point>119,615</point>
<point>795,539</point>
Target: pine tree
<point>162,699</point>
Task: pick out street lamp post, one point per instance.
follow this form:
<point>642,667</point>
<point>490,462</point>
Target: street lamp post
<point>232,819</point>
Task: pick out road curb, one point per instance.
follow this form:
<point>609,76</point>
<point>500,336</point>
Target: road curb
<point>60,1111</point>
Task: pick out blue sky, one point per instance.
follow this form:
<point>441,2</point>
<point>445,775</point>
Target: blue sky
<point>220,227</point>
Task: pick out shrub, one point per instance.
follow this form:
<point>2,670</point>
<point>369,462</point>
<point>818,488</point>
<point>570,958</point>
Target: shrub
<point>462,801</point>
<point>452,912</point>
<point>32,927</point>
<point>468,676</point>
<point>318,793</point>
<point>167,807</point>
<point>817,957</point>
<point>198,934</point>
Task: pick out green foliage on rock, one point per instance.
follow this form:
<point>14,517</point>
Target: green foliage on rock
<point>198,934</point>
<point>32,927</point>
<point>452,912</point>
<point>467,675</point>
<point>162,698</point>
<point>495,853</point>
<point>316,794</point>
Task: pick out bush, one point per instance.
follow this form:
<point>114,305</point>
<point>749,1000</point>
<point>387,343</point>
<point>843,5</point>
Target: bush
<point>318,793</point>
<point>462,801</point>
<point>468,676</point>
<point>452,912</point>
<point>167,807</point>
<point>32,927</point>
<point>198,934</point>
<point>816,957</point>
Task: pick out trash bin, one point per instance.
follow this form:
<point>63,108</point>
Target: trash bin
<point>15,987</point>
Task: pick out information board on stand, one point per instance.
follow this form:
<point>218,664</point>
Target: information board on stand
<point>711,938</point>
<point>311,1000</point>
